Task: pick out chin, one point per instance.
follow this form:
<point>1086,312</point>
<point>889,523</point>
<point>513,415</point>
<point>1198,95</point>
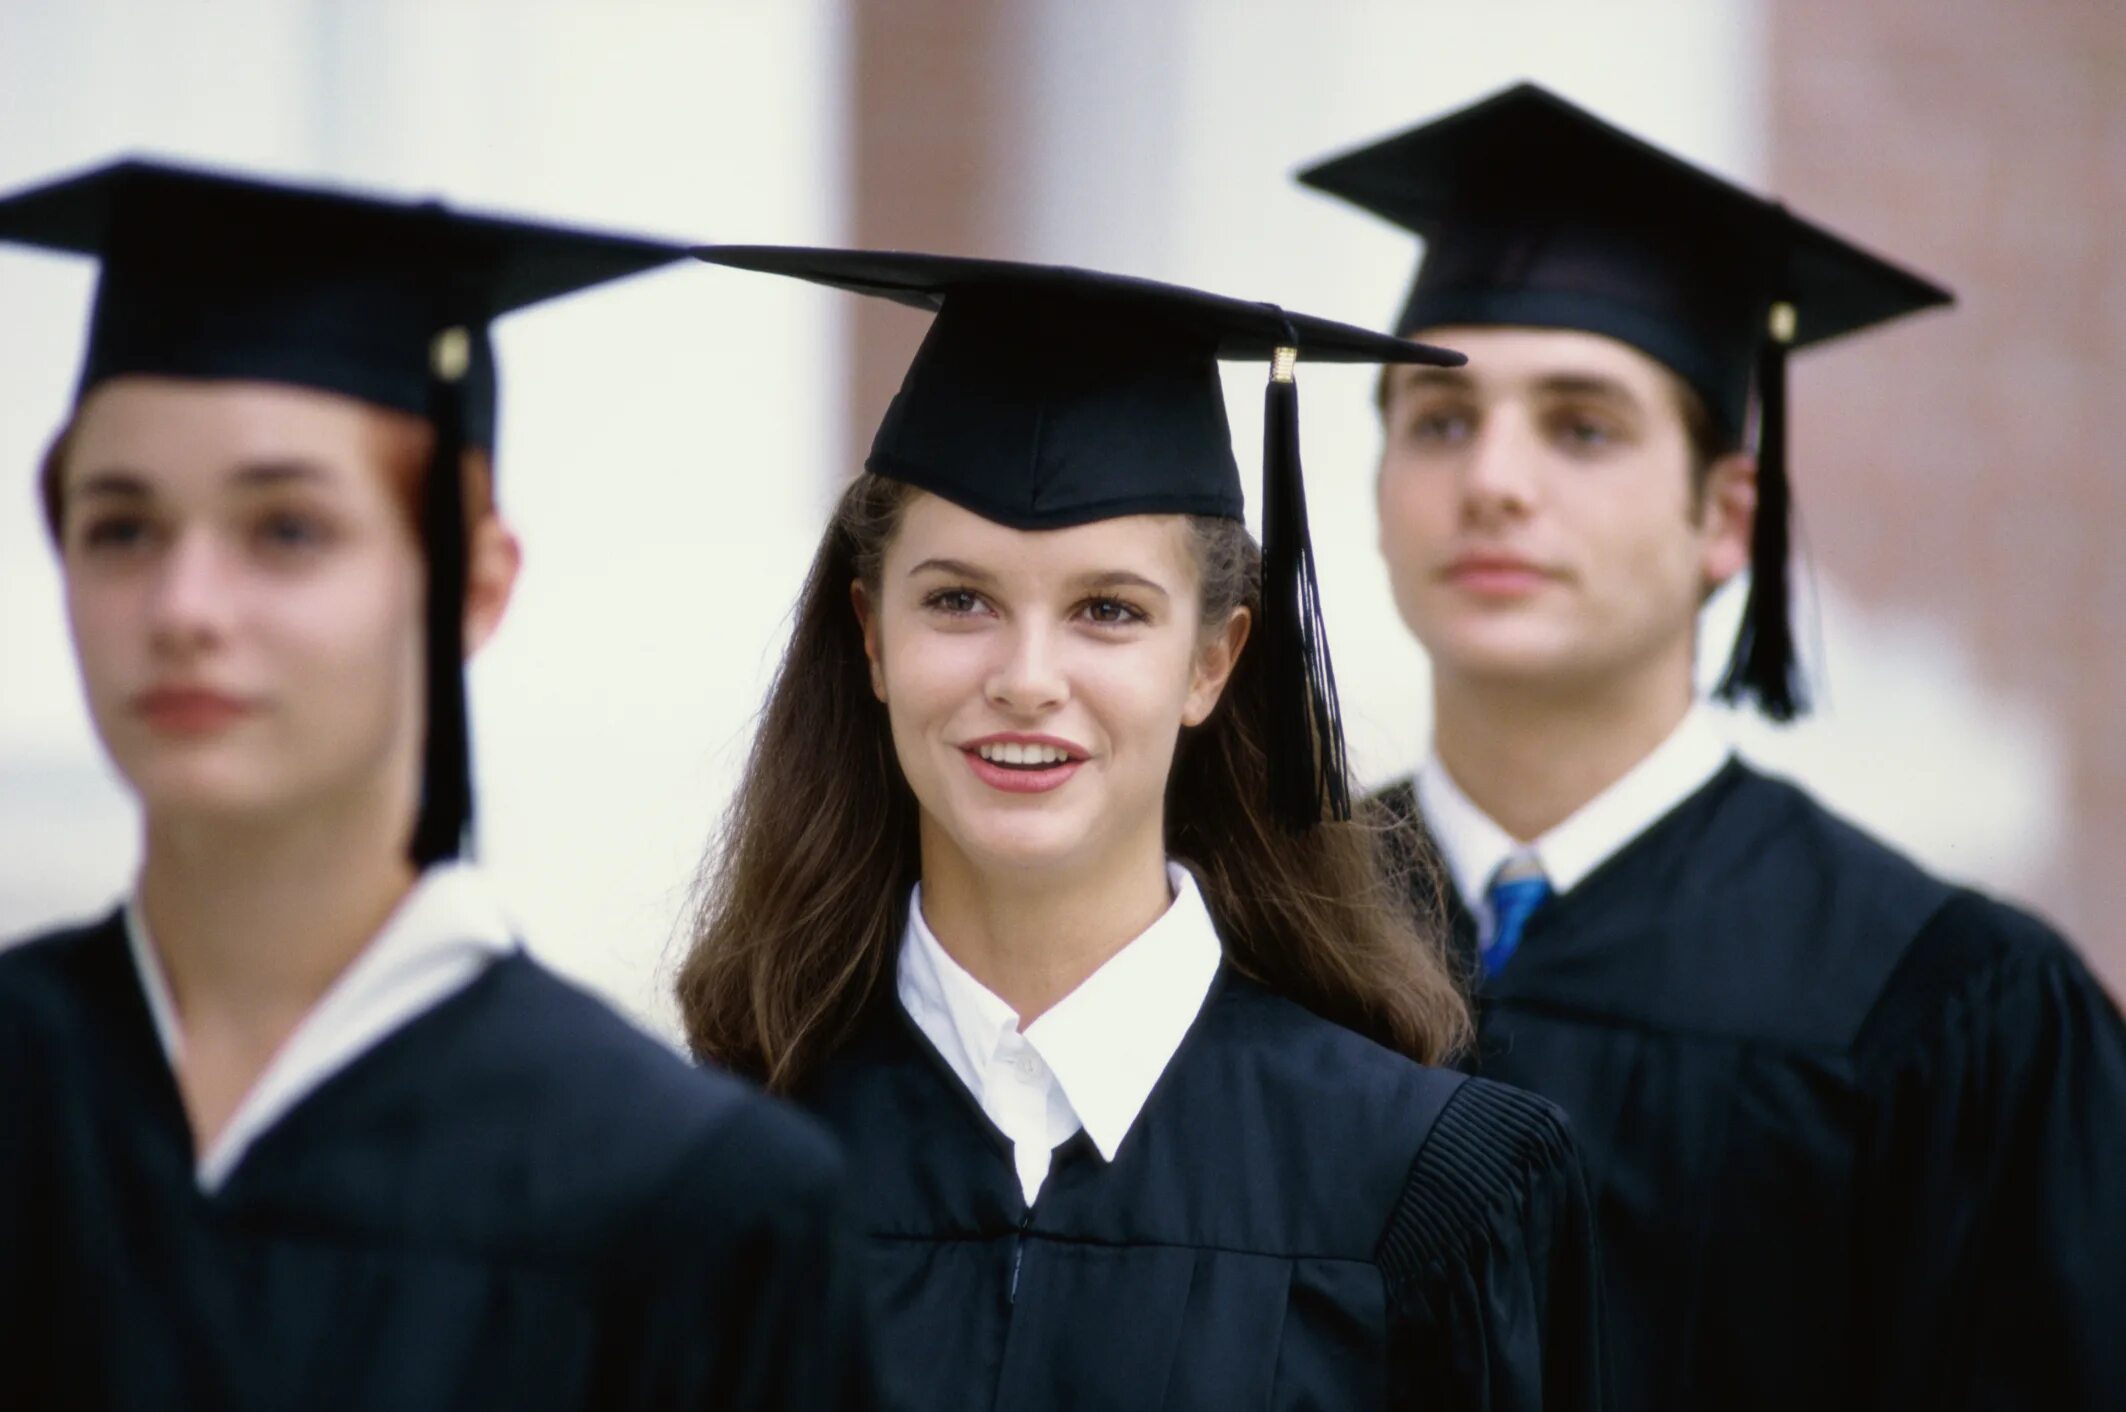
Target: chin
<point>1503,654</point>
<point>219,782</point>
<point>169,794</point>
<point>1024,841</point>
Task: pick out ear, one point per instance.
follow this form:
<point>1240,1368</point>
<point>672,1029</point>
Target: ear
<point>490,579</point>
<point>1215,661</point>
<point>868,621</point>
<point>1727,513</point>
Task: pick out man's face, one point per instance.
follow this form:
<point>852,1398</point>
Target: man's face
<point>1538,513</point>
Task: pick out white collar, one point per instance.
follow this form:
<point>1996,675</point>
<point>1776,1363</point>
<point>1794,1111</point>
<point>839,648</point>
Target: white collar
<point>1474,845</point>
<point>440,938</point>
<point>1107,1042</point>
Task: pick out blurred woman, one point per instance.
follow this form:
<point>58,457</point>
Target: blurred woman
<point>301,1124</point>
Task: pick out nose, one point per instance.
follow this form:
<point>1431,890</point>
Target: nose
<point>189,598</point>
<point>1499,472</point>
<point>1028,678</point>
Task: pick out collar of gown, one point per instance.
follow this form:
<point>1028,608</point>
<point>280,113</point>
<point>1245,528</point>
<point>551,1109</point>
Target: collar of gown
<point>1107,1042</point>
<point>1474,845</point>
<point>440,938</point>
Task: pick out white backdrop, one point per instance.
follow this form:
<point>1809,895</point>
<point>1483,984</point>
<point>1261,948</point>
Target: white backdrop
<point>668,445</point>
<point>664,442</point>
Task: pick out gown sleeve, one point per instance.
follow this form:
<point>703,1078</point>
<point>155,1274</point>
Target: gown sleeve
<point>741,1280</point>
<point>1994,1209</point>
<point>1491,1267</point>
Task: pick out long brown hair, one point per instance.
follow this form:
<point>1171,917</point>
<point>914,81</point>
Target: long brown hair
<point>799,910</point>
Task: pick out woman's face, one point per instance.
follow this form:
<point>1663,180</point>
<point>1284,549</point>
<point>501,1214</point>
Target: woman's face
<point>1037,681</point>
<point>245,593</point>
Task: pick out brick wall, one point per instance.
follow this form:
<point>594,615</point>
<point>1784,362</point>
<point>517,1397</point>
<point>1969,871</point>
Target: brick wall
<point>1971,465</point>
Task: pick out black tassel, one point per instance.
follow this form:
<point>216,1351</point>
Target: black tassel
<point>1764,664</point>
<point>1308,769</point>
<point>446,764</point>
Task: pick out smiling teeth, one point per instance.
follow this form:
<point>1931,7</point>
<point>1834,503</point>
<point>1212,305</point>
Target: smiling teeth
<point>1015,754</point>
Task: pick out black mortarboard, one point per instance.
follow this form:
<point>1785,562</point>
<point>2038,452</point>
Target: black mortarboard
<point>1044,396</point>
<point>209,275</point>
<point>1537,213</point>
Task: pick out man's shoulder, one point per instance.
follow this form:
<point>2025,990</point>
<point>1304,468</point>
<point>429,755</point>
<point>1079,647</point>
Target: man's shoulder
<point>1981,967</point>
<point>1784,815</point>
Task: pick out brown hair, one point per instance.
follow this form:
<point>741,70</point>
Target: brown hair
<point>799,912</point>
<point>402,442</point>
<point>1706,436</point>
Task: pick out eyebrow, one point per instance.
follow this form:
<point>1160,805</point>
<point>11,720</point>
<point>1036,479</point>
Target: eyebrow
<point>1549,384</point>
<point>1092,582</point>
<point>955,568</point>
<point>255,474</point>
<point>1121,578</point>
<point>120,483</point>
<point>1586,385</point>
<point>1435,377</point>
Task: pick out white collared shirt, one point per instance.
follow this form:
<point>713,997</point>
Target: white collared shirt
<point>441,937</point>
<point>1475,847</point>
<point>1092,1059</point>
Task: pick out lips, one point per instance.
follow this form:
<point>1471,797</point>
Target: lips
<point>1023,764</point>
<point>1495,575</point>
<point>187,710</point>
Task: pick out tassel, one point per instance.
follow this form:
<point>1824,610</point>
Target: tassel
<point>1308,769</point>
<point>446,764</point>
<point>1763,664</point>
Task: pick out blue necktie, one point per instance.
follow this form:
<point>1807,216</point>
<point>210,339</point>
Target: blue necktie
<point>1513,901</point>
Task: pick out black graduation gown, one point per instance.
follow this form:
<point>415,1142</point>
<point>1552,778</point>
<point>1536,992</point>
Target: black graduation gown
<point>516,1201</point>
<point>1857,1137</point>
<point>1298,1218</point>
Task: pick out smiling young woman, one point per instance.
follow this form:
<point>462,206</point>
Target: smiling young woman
<point>1040,891</point>
<point>301,1124</point>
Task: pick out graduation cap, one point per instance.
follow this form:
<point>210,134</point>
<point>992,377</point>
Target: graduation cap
<point>1044,396</point>
<point>210,275</point>
<point>1537,213</point>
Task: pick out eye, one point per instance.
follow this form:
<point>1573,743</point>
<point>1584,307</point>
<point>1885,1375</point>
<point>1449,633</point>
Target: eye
<point>1112,612</point>
<point>115,533</point>
<point>954,602</point>
<point>1445,425</point>
<point>291,531</point>
<point>1584,431</point>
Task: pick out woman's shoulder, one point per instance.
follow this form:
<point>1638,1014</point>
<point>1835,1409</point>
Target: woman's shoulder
<point>51,953</point>
<point>546,1035</point>
<point>1492,1274</point>
<point>1310,1057</point>
<point>48,980</point>
<point>1323,1088</point>
<point>1497,1162</point>
<point>603,1133</point>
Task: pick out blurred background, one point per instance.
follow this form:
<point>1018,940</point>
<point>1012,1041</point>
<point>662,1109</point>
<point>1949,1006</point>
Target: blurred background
<point>670,446</point>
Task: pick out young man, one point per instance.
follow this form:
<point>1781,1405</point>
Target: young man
<point>1858,1136</point>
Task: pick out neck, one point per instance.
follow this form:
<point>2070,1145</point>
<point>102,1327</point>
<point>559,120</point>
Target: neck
<point>1532,757</point>
<point>253,920</point>
<point>1034,938</point>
